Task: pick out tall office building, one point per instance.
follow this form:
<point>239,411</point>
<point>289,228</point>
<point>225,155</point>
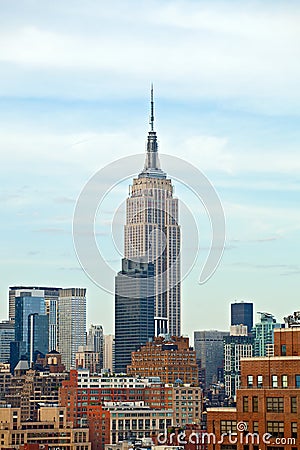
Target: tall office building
<point>236,346</point>
<point>50,295</point>
<point>7,335</point>
<point>263,333</point>
<point>134,310</point>
<point>71,323</point>
<point>242,314</point>
<point>152,231</point>
<point>27,302</point>
<point>209,347</point>
<point>95,342</point>
<point>38,336</point>
<point>109,352</point>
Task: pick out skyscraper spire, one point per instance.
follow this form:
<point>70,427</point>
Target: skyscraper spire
<point>152,165</point>
<point>152,110</point>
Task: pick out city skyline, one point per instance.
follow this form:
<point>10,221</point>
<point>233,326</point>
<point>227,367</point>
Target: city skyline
<point>74,99</point>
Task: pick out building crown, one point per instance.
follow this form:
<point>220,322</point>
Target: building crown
<point>152,165</point>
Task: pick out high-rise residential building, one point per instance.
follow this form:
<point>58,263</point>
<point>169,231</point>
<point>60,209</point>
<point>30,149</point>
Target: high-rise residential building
<point>109,352</point>
<point>50,295</point>
<point>263,334</point>
<point>172,360</point>
<point>71,323</point>
<point>242,314</point>
<point>153,233</point>
<point>134,310</point>
<point>209,347</point>
<point>7,335</point>
<point>236,346</point>
<point>95,342</point>
<point>27,302</point>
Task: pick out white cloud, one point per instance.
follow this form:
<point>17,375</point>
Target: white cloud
<point>195,50</point>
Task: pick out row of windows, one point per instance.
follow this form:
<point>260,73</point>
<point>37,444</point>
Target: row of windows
<point>274,381</point>
<point>273,404</point>
<point>273,427</point>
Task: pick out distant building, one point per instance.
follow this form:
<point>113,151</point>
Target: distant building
<point>50,295</point>
<point>95,342</point>
<point>209,347</point>
<point>134,310</point>
<point>38,336</point>
<point>7,335</point>
<point>173,360</point>
<point>235,347</point>
<point>263,333</point>
<point>27,303</point>
<point>87,359</point>
<point>71,323</point>
<point>242,314</point>
<point>109,353</point>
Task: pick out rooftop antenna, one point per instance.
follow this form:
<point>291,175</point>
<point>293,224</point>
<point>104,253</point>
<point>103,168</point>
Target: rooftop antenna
<point>152,110</point>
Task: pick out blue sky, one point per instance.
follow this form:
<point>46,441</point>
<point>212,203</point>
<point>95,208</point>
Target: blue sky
<point>74,89</point>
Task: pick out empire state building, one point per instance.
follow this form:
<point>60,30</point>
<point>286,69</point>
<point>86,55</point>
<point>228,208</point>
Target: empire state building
<point>152,233</point>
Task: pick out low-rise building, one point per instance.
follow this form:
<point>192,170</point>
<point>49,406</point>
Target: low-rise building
<point>51,428</point>
<point>135,420</point>
<point>187,405</point>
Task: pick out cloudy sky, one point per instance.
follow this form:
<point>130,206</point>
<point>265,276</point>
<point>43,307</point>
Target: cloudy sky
<point>75,79</point>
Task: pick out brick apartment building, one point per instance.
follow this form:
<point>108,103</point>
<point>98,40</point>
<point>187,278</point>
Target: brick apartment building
<point>268,400</point>
<point>171,360</point>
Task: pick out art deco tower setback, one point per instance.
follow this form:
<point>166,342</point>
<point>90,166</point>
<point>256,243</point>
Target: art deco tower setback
<point>152,231</point>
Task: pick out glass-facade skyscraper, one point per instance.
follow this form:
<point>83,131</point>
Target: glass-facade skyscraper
<point>27,303</point>
<point>242,314</point>
<point>134,310</point>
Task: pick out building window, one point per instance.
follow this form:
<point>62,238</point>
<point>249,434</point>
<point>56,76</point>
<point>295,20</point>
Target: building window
<point>255,404</point>
<point>275,404</point>
<point>228,426</point>
<point>276,428</point>
<point>297,380</point>
<point>255,427</point>
<point>259,381</point>
<point>250,381</point>
<point>274,381</point>
<point>294,429</point>
<point>245,404</point>
<point>284,380</point>
<point>293,404</point>
<point>283,350</point>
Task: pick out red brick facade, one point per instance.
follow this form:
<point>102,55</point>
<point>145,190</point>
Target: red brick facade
<point>268,401</point>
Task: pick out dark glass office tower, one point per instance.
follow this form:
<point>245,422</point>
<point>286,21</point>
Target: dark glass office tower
<point>26,303</point>
<point>242,313</point>
<point>134,310</point>
<point>38,336</point>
